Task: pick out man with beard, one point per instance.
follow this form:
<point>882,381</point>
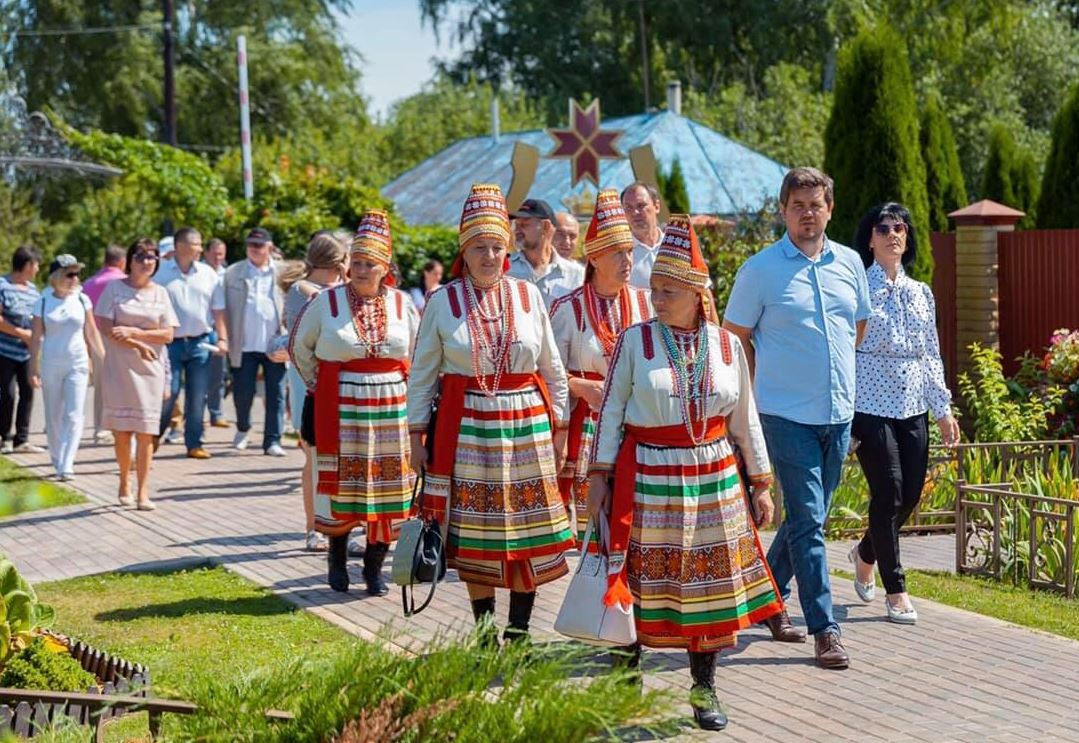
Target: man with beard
<point>803,303</point>
<point>535,259</point>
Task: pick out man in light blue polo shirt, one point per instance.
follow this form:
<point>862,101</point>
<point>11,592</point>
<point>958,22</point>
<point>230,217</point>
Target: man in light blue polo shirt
<point>803,303</point>
<point>535,259</point>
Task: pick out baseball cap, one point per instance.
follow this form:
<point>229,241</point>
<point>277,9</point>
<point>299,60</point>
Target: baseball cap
<point>259,236</point>
<point>166,245</point>
<point>534,209</point>
<point>65,260</point>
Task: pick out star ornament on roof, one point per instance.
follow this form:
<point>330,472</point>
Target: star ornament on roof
<point>584,144</point>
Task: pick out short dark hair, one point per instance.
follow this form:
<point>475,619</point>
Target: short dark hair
<point>23,256</point>
<point>431,264</point>
<point>864,234</point>
<point>651,190</point>
<point>214,242</point>
<point>114,254</point>
<point>186,235</point>
<point>806,178</point>
<point>142,244</point>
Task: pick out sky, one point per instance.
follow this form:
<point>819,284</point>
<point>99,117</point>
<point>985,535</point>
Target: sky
<point>397,51</point>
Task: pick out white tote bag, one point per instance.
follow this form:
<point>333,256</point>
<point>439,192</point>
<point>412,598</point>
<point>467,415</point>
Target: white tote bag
<point>583,615</point>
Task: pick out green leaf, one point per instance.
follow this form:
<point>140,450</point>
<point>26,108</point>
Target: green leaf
<point>44,616</point>
<point>20,611</point>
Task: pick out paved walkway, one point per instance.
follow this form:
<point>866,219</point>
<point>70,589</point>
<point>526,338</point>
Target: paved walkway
<point>957,676</point>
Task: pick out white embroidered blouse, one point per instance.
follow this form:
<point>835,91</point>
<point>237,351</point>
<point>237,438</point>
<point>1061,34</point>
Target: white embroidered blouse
<point>444,345</point>
<point>320,335</point>
<point>578,344</point>
<point>640,391</point>
<point>899,373</point>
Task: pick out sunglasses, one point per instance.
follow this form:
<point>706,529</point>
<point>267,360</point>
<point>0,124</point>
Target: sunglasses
<point>146,257</point>
<point>899,228</point>
<point>73,275</point>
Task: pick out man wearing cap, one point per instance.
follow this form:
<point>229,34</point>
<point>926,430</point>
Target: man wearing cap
<point>18,295</point>
<point>641,204</point>
<point>192,288</point>
<point>566,232</point>
<point>254,318</point>
<point>535,260</point>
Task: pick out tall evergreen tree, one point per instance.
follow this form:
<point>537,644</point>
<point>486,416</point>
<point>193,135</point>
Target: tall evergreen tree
<point>1058,206</point>
<point>871,141</point>
<point>944,182</point>
<point>1011,175</point>
<point>673,189</point>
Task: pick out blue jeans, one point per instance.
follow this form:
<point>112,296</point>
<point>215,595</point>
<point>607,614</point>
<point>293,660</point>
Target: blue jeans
<point>185,356</point>
<point>244,379</point>
<point>807,461</point>
<point>215,393</point>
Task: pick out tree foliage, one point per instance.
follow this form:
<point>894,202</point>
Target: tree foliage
<point>871,142</point>
<point>672,187</point>
<point>945,187</point>
<point>1011,175</point>
<point>1058,205</point>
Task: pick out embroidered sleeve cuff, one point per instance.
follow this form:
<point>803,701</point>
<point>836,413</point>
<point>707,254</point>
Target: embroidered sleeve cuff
<point>417,428</point>
<point>760,481</point>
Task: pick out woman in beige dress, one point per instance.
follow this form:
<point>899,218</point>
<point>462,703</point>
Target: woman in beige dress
<point>136,320</point>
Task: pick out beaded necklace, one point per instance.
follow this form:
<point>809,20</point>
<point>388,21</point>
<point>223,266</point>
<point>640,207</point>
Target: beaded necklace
<point>496,350</point>
<point>606,325</point>
<point>692,382</point>
<point>369,320</point>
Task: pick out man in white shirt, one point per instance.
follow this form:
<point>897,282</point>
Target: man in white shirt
<point>641,203</point>
<point>214,256</point>
<point>192,288</point>
<point>567,231</point>
<point>254,312</point>
<point>535,259</point>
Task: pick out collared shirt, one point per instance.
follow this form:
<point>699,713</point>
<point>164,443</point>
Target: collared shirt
<point>260,312</point>
<point>17,307</point>
<point>899,371</point>
<point>94,285</point>
<point>804,316</point>
<point>644,257</point>
<point>559,278</point>
<point>193,294</point>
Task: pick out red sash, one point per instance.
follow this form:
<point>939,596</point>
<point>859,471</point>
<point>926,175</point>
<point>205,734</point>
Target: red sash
<point>451,409</point>
<point>625,479</point>
<point>577,417</point>
<point>327,415</point>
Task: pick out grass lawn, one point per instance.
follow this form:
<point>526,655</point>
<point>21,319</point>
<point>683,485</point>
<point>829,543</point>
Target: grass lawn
<point>22,491</point>
<point>1049,612</point>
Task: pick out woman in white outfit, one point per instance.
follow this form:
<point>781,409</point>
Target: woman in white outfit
<point>60,349</point>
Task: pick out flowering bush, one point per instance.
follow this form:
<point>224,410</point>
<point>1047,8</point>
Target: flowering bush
<point>1061,367</point>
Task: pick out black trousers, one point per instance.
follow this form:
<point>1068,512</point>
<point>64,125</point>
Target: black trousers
<point>894,454</point>
<point>15,374</point>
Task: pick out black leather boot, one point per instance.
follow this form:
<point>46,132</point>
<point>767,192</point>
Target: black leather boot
<point>373,557</point>
<point>337,561</point>
<point>484,612</point>
<point>520,614</point>
<point>702,697</point>
<point>628,658</point>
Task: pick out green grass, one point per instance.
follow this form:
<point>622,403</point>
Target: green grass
<point>22,491</point>
<point>1042,610</point>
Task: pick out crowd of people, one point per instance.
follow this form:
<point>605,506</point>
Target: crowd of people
<point>531,393</point>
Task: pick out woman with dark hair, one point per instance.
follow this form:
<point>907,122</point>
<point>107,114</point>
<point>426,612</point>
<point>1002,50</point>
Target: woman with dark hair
<point>899,378</point>
<point>432,279</point>
<point>136,319</point>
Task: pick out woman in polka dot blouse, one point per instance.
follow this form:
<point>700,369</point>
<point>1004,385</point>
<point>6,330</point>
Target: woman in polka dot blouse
<point>899,379</point>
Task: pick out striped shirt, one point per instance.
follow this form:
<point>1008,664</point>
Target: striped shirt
<point>17,307</point>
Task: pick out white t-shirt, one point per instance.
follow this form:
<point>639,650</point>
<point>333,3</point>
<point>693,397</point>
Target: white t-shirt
<point>64,342</point>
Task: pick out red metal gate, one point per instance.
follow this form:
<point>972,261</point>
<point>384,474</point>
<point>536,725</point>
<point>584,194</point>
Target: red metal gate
<point>944,294</point>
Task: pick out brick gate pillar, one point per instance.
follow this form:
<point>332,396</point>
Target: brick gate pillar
<point>977,296</point>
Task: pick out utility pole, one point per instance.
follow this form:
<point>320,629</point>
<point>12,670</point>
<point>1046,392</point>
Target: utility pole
<point>644,58</point>
<point>169,134</point>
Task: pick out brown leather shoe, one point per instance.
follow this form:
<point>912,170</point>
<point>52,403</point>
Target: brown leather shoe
<point>782,629</point>
<point>198,453</point>
<point>220,423</point>
<point>830,652</point>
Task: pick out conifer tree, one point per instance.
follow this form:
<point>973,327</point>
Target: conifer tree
<point>1058,206</point>
<point>674,191</point>
<point>1011,175</point>
<point>944,182</point>
<point>871,141</point>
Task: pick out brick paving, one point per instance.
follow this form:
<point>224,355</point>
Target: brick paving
<point>957,676</point>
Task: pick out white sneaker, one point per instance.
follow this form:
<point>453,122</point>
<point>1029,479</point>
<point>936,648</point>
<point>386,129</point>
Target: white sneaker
<point>239,441</point>
<point>171,436</point>
<point>28,448</point>
<point>7,448</point>
<point>275,450</point>
<point>103,437</point>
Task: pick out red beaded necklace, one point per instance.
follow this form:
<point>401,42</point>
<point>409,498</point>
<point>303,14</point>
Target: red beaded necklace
<point>369,320</point>
<point>480,317</point>
<point>607,325</point>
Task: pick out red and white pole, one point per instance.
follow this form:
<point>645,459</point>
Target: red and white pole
<point>245,117</point>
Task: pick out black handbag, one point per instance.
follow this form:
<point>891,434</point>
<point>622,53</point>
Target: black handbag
<point>423,559</point>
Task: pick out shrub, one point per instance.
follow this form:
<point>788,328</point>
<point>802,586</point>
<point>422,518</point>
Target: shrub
<point>871,142</point>
<point>1003,409</point>
<point>672,187</point>
<point>40,667</point>
<point>945,188</point>
<point>726,247</point>
<point>1011,175</point>
<point>1058,205</point>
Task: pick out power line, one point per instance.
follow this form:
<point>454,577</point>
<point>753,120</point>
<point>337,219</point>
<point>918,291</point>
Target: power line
<point>88,31</point>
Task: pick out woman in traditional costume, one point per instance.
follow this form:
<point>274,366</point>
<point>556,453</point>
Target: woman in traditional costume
<point>351,344</point>
<point>499,435</point>
<point>586,325</point>
<point>683,550</point>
